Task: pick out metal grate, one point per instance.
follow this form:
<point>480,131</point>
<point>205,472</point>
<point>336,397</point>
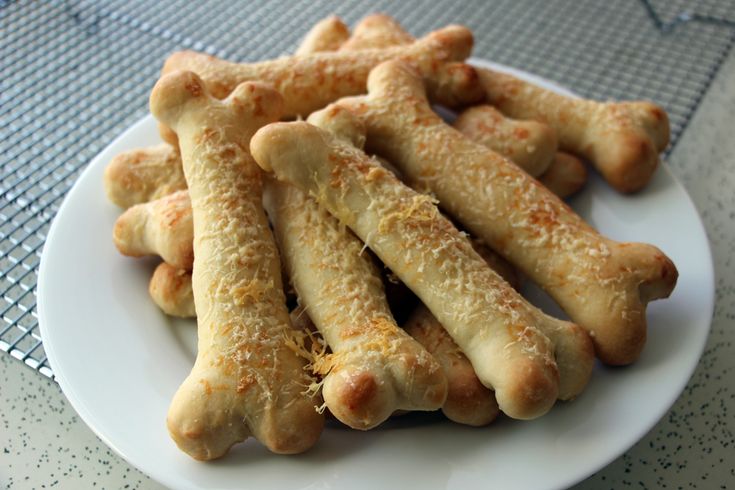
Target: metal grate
<point>76,74</point>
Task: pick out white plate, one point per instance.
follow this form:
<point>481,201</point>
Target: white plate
<point>119,360</point>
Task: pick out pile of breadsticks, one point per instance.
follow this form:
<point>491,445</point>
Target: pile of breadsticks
<point>237,204</point>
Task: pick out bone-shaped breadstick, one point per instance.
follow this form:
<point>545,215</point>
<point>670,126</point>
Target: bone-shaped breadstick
<point>468,401</point>
<point>142,175</point>
<point>602,285</point>
<point>246,380</point>
<point>573,349</point>
<point>529,144</point>
<point>326,35</point>
<point>496,328</point>
<point>565,176</point>
<point>162,227</point>
<point>309,82</point>
<point>621,139</point>
<point>170,288</point>
<point>375,368</point>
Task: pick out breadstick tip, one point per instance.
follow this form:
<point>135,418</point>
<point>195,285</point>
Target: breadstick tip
<point>629,164</point>
<point>456,85</point>
<point>341,122</point>
<point>655,119</point>
<point>458,38</point>
<point>276,143</point>
<point>194,435</point>
<point>530,391</point>
<point>258,100</point>
<point>171,92</point>
<point>358,396</point>
<point>468,401</point>
<point>326,35</point>
<point>397,78</point>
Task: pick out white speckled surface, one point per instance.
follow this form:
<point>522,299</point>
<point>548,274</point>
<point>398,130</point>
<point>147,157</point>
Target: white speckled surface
<point>43,444</point>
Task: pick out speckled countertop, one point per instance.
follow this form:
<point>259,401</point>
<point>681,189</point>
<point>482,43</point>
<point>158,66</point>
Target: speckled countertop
<point>44,444</point>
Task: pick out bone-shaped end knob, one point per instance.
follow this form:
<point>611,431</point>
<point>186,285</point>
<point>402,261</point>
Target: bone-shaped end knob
<point>395,78</point>
<point>144,174</point>
<point>172,92</point>
<point>458,38</point>
<point>326,35</point>
<point>203,426</point>
<point>619,333</point>
<point>377,31</point>
<point>162,227</point>
<point>284,142</point>
<point>363,396</point>
<point>246,380</point>
<point>340,122</point>
<point>170,289</point>
<point>627,143</point>
<point>529,144</point>
<point>182,95</point>
<point>529,391</point>
<point>217,72</point>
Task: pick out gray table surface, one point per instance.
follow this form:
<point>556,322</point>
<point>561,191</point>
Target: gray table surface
<point>44,444</point>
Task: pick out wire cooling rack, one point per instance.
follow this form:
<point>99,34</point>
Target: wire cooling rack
<point>73,75</point>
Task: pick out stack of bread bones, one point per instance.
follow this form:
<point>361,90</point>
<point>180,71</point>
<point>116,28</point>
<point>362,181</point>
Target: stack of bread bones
<point>374,167</point>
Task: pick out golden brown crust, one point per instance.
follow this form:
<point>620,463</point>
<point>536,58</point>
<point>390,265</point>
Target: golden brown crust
<point>573,349</point>
<point>246,380</point>
<point>374,368</point>
<point>495,327</point>
<point>597,281</point>
<point>468,401</point>
<point>453,84</point>
<point>621,139</point>
<point>327,35</point>
<point>566,175</point>
<point>170,288</point>
<point>309,82</point>
<point>142,175</point>
<point>504,268</point>
<point>162,227</point>
<point>529,144</point>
